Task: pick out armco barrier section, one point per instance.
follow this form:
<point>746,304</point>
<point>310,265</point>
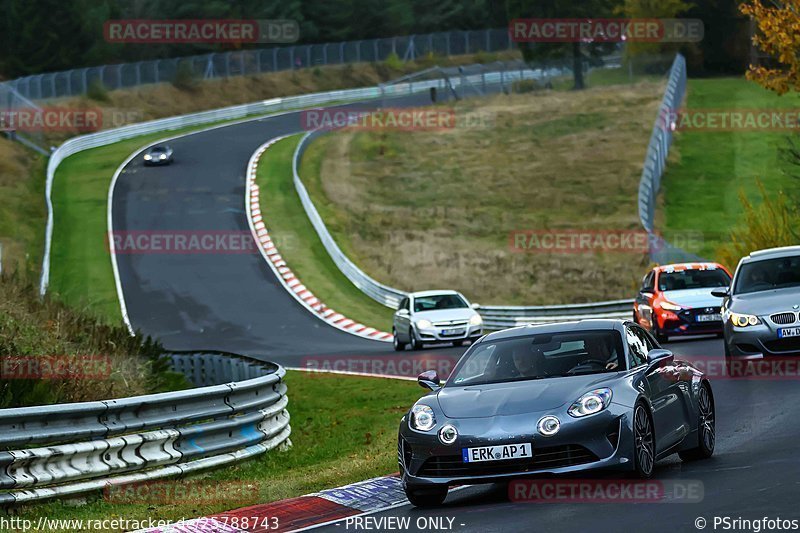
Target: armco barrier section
<point>655,162</point>
<point>238,411</point>
<point>495,317</point>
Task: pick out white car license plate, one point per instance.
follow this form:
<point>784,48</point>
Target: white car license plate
<point>455,331</point>
<point>716,317</point>
<point>788,332</point>
<point>522,450</point>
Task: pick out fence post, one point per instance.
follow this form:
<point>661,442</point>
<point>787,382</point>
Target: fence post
<point>155,71</point>
<point>488,41</point>
<point>375,46</point>
<point>119,75</point>
<point>358,51</point>
<point>325,54</point>
<point>466,42</point>
<point>341,53</point>
<point>449,34</point>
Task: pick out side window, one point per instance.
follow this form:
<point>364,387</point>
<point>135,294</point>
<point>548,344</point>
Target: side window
<point>403,304</point>
<point>648,340</point>
<point>648,283</point>
<point>637,347</point>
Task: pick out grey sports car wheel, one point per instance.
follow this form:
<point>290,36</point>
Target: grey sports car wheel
<point>644,448</point>
<point>706,429</point>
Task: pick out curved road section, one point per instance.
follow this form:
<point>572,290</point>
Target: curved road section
<point>220,299</point>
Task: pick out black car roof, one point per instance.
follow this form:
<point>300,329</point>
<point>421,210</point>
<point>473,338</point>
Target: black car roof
<point>559,327</point>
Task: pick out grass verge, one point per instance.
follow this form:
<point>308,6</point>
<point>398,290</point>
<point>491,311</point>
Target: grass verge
<point>352,441</point>
<point>436,209</point>
<point>709,168</point>
<point>299,244</point>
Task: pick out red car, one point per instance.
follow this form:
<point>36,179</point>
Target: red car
<point>676,300</point>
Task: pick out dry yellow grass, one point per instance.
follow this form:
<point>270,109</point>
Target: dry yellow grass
<point>435,208</point>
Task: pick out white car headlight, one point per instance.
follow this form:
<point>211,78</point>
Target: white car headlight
<point>741,320</point>
<point>422,418</point>
<point>590,403</point>
<point>476,320</point>
<point>163,156</point>
<point>423,323</point>
<point>669,306</point>
<point>148,157</point>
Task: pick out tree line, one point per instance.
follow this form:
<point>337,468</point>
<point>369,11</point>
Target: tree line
<point>49,35</point>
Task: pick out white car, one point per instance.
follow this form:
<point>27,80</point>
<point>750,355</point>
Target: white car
<point>431,317</point>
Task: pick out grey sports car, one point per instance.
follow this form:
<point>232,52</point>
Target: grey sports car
<point>555,398</point>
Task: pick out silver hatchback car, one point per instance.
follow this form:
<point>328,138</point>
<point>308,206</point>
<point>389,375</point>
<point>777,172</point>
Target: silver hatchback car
<point>432,317</point>
<point>761,309</point>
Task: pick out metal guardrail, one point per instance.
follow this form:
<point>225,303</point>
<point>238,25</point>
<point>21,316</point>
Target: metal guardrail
<point>238,411</point>
<point>655,163</point>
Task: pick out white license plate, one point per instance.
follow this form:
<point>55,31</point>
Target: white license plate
<point>523,450</point>
<point>788,332</point>
<point>456,331</point>
<point>717,317</point>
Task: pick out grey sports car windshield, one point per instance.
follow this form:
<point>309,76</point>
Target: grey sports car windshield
<point>768,274</point>
<point>574,353</point>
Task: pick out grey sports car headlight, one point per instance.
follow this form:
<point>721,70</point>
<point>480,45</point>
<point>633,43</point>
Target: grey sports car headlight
<point>590,403</point>
<point>422,418</point>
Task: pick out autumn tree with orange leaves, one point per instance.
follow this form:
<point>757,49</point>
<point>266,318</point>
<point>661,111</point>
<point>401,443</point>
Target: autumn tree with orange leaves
<point>779,36</point>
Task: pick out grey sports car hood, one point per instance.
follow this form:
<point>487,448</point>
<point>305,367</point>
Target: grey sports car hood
<point>766,302</point>
<point>518,397</point>
<point>693,298</point>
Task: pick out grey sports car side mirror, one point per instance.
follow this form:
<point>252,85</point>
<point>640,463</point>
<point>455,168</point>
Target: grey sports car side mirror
<point>475,306</point>
<point>429,380</point>
<point>658,354</point>
<point>720,292</point>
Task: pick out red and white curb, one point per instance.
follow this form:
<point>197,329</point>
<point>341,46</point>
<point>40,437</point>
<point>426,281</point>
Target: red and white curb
<point>284,274</point>
<point>301,513</point>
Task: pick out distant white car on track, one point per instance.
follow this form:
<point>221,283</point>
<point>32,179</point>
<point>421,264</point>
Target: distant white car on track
<point>158,155</point>
<point>434,317</point>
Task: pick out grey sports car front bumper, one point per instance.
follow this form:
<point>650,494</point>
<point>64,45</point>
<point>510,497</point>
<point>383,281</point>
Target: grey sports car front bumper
<point>602,440</point>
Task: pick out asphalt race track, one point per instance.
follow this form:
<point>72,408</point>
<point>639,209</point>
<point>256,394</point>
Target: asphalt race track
<point>212,301</point>
<point>754,473</point>
<point>233,302</point>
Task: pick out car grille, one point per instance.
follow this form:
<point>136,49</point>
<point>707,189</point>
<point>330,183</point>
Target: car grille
<point>552,457</point>
<point>783,318</point>
<point>789,344</point>
<point>450,324</point>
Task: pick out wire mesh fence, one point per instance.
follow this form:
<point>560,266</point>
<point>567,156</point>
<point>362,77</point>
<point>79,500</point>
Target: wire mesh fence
<point>76,82</point>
